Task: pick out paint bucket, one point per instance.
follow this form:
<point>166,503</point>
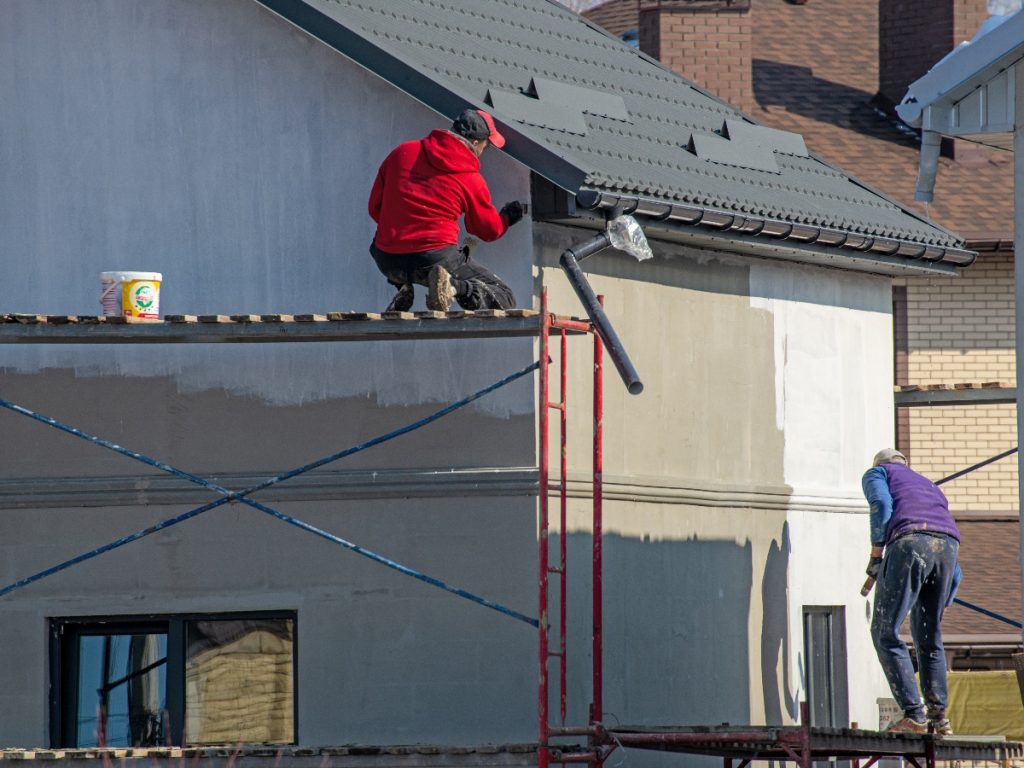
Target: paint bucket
<point>131,294</point>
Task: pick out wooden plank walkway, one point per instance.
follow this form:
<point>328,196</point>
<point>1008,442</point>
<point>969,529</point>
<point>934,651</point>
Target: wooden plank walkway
<point>803,745</point>
<point>983,393</point>
<point>268,328</point>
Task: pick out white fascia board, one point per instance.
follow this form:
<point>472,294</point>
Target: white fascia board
<point>966,68</point>
<point>984,115</point>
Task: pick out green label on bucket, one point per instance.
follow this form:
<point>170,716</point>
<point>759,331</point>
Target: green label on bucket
<point>144,296</point>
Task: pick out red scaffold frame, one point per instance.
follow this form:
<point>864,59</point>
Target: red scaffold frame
<point>546,730</point>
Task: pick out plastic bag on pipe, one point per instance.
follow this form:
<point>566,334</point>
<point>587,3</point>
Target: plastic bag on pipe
<point>627,235</point>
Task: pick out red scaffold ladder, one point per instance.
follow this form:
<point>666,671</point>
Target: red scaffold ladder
<point>547,753</point>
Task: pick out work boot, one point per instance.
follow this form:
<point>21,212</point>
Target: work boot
<point>940,726</point>
<point>908,725</point>
<point>440,290</point>
<point>403,299</point>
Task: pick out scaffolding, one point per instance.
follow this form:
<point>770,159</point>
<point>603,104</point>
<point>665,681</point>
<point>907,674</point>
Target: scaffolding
<point>802,744</point>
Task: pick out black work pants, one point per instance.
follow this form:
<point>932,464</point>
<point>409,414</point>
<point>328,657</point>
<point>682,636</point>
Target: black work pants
<point>476,287</point>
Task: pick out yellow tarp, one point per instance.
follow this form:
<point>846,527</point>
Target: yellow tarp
<point>986,704</point>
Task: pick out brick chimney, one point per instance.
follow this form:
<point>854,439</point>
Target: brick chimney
<point>913,35</point>
<point>706,41</point>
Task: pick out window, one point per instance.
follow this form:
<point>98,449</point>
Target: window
<point>825,654</point>
<point>147,681</point>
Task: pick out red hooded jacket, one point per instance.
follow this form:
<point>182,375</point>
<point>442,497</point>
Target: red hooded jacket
<point>423,187</point>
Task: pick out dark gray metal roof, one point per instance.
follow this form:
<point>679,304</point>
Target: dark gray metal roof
<point>611,125</point>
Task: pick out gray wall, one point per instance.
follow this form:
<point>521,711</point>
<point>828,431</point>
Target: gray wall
<point>214,143</point>
<point>218,145</point>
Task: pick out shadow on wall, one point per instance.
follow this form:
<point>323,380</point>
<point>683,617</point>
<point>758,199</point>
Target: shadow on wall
<point>774,632</point>
<point>717,272</point>
<point>801,92</point>
<point>675,630</point>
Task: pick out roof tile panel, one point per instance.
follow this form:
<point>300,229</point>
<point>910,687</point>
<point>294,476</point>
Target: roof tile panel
<point>471,47</point>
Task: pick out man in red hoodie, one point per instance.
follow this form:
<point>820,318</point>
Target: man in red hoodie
<point>421,190</point>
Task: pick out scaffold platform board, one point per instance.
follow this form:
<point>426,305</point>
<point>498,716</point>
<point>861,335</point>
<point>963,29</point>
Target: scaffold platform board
<point>332,326</point>
<point>804,745</point>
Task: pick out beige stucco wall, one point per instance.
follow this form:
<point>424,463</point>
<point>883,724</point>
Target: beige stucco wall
<point>735,475</point>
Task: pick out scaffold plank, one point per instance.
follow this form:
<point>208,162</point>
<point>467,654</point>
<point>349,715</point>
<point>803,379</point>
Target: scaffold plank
<point>962,393</point>
<point>780,742</point>
<point>270,328</point>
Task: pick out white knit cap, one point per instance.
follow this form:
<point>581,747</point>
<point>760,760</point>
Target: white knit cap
<point>889,456</point>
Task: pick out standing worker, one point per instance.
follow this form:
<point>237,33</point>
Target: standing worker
<point>421,190</point>
<point>917,575</point>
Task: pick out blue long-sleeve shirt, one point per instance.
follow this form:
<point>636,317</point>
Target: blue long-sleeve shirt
<point>876,490</point>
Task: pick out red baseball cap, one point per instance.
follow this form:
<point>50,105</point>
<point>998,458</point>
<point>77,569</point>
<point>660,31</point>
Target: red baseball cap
<point>477,124</point>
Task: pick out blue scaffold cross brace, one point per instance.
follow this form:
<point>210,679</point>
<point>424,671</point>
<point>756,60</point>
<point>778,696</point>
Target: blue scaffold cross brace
<point>241,496</point>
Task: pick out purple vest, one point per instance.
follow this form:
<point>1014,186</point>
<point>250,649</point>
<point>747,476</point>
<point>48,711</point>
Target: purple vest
<point>917,505</point>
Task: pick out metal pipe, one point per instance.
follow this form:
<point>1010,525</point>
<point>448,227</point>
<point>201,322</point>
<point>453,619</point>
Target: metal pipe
<point>563,498</point>
<point>1018,290</point>
<point>568,324</point>
<point>597,708</point>
<point>594,245</point>
<point>543,754</point>
<point>570,264</point>
<point>928,166</point>
<point>578,730</point>
<point>627,739</point>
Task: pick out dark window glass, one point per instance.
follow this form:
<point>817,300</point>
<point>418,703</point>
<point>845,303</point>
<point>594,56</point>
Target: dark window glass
<point>122,686</point>
<point>152,681</point>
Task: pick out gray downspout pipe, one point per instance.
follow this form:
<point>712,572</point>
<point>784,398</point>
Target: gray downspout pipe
<point>928,165</point>
<point>570,264</point>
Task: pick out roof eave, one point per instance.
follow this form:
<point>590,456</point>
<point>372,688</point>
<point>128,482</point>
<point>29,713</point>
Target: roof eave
<point>768,238</point>
<point>965,68</point>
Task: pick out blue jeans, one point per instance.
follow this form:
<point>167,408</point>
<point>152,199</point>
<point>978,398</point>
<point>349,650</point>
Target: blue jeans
<point>915,579</point>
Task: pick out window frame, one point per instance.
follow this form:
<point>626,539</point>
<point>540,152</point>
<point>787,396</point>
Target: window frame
<point>65,632</point>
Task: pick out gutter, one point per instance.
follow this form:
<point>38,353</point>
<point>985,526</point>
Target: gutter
<point>773,233</point>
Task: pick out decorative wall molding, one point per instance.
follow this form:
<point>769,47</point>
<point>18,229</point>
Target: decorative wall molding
<point>154,489</point>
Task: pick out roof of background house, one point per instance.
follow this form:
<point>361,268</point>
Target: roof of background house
<point>605,122</point>
<point>990,558</point>
<point>821,84</point>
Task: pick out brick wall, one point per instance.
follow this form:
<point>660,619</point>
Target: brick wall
<point>949,438</point>
<point>962,330</point>
<point>711,48</point>
<point>968,16</point>
<point>913,35</point>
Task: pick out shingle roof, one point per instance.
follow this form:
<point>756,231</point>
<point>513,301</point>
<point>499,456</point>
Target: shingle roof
<point>591,113</point>
<point>990,558</point>
<point>820,84</point>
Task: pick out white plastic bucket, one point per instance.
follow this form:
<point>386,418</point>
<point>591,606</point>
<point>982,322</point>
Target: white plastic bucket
<point>131,294</point>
